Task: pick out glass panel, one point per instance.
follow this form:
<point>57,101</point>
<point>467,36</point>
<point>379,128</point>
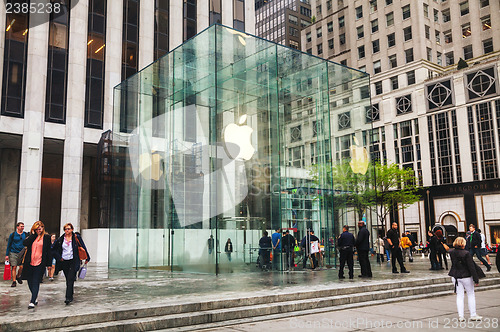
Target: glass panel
<point>217,142</point>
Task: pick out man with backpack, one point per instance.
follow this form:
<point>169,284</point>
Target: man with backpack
<point>14,251</point>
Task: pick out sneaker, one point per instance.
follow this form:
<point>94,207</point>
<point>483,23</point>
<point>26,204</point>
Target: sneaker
<point>461,319</point>
<point>51,279</point>
<point>476,318</point>
<point>13,284</point>
<point>405,271</point>
<point>31,306</point>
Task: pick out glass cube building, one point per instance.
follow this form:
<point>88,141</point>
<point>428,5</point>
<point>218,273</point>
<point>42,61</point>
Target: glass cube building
<point>220,139</point>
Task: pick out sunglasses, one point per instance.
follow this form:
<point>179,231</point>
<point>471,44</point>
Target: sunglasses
<point>67,229</point>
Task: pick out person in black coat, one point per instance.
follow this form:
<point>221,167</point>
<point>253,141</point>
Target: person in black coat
<point>396,253</point>
<point>288,242</point>
<point>363,247</point>
<point>464,276</point>
<point>65,251</point>
<point>228,249</point>
<point>475,246</point>
<point>346,244</point>
<point>433,251</point>
<point>37,258</point>
<point>265,245</point>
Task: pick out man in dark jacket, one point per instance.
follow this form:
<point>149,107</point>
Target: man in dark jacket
<point>396,254</point>
<point>475,246</point>
<point>306,246</point>
<point>288,245</point>
<point>433,251</point>
<point>346,248</point>
<point>265,246</point>
<point>363,246</point>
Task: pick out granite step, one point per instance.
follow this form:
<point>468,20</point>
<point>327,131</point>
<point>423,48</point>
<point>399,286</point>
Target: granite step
<point>237,315</point>
<point>229,309</point>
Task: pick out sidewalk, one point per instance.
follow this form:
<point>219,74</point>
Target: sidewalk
<point>419,315</point>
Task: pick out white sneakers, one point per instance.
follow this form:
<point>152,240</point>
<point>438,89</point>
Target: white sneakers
<point>31,306</point>
<point>476,318</point>
<point>461,319</point>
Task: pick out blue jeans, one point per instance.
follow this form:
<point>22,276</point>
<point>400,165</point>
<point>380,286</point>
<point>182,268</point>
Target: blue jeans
<point>34,281</point>
<point>477,251</point>
<point>388,254</point>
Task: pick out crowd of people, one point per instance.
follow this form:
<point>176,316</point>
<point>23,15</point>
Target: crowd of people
<point>33,254</point>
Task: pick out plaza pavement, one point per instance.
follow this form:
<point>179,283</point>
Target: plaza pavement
<point>109,290</point>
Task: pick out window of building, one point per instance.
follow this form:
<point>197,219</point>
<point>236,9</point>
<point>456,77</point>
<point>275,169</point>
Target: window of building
<point>343,62</point>
<point>439,58</point>
<point>161,44</point>
<point>374,25</point>
<point>359,12</point>
<point>466,31</point>
<point>308,37</point>
<point>215,7</point>
<point>344,120</point>
<point>330,43</point>
<point>403,105</point>
<point>305,11</point>
<point>320,48</point>
<point>486,22</point>
<point>427,32</point>
<point>376,46</point>
<point>388,2</point>
<point>372,113</point>
<point>96,53</point>
<point>484,3</point>
<point>296,133</point>
<point>340,3</point>
<point>406,12</point>
<point>394,83</point>
<point>447,37</point>
<point>309,51</point>
<point>373,6</point>
<point>439,95</point>
<point>319,32</point>
<point>377,67</point>
<point>481,83</point>
<point>360,32</point>
<point>361,52</point>
<point>391,39</point>
<point>429,54</point>
<point>378,88</point>
<point>294,44</point>
<point>407,33</point>
<point>293,19</point>
<point>329,5</point>
<point>342,38</point>
<point>14,64</point>
<point>410,77</point>
<point>468,54</point>
<point>304,23</point>
<point>341,22</point>
<point>389,19</point>
<point>362,68</point>
<point>393,62</point>
<point>330,27</point>
<point>318,10</point>
<point>409,55</point>
<point>446,15</point>
<point>190,8</point>
<point>449,59</point>
<point>436,15</point>
<point>293,32</point>
<point>426,10</point>
<point>485,133</point>
<point>464,8</point>
<point>488,46</point>
<point>57,65</point>
<point>438,36</point>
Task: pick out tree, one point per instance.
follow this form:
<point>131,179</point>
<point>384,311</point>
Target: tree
<point>396,189</point>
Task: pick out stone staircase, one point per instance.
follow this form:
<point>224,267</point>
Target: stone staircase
<point>223,312</point>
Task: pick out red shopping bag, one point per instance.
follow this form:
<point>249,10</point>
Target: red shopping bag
<point>6,271</point>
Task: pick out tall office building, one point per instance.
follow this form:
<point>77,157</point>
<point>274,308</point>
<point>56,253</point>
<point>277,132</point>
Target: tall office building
<point>59,70</point>
<point>427,114</point>
<point>281,21</point>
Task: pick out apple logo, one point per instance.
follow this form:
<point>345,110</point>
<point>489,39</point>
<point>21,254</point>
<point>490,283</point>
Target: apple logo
<point>239,136</point>
<point>359,158</point>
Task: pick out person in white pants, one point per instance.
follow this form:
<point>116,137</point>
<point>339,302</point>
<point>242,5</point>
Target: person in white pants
<point>464,275</point>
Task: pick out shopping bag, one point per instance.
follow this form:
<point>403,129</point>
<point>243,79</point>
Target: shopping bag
<point>314,247</point>
<point>83,272</point>
<point>6,271</point>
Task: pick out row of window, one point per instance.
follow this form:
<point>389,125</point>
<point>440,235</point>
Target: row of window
<point>445,14</point>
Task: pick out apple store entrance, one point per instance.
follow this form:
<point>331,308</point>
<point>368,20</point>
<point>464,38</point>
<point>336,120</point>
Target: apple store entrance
<point>224,138</point>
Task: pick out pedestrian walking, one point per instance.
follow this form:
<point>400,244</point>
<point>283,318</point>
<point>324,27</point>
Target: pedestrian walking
<point>15,251</point>
<point>363,247</point>
<point>66,251</point>
<point>484,251</point>
<point>379,245</point>
<point>393,239</point>
<point>475,246</point>
<point>441,249</point>
<point>51,269</point>
<point>464,275</point>
<point>228,249</point>
<point>406,247</point>
<point>433,251</point>
<point>346,244</point>
<point>36,259</point>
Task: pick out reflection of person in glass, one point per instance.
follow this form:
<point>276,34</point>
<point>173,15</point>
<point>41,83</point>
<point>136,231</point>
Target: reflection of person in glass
<point>210,244</point>
<point>228,249</point>
<point>265,245</point>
